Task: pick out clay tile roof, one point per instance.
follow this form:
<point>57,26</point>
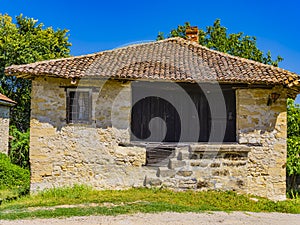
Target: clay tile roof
<point>173,59</point>
<point>5,100</point>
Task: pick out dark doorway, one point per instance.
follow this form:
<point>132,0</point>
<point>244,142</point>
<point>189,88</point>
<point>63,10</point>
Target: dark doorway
<point>158,108</point>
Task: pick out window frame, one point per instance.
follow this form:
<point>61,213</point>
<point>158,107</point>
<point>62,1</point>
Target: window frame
<point>69,107</point>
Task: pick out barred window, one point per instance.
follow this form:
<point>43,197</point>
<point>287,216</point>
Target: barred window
<point>79,105</point>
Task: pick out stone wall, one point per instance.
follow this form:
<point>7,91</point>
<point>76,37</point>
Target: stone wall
<point>65,154</point>
<point>4,128</point>
<point>264,129</point>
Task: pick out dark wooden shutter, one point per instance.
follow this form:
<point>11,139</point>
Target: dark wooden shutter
<point>146,109</point>
<point>225,122</point>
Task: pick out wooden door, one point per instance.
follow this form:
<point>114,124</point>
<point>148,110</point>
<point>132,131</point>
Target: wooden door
<point>156,114</point>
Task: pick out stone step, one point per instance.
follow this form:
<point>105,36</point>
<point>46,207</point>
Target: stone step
<point>174,163</point>
<point>183,147</point>
<point>165,172</point>
<point>179,149</point>
<point>182,155</point>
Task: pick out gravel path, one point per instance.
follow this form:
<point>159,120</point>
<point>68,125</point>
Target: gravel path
<point>213,218</point>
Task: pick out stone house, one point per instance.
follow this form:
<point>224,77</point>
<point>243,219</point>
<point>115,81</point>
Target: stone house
<point>169,113</point>
<point>5,104</point>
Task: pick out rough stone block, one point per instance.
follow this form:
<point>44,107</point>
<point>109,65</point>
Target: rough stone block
<point>182,155</point>
<point>42,132</point>
<point>201,183</point>
<point>215,164</point>
<point>280,147</point>
<point>149,181</point>
<point>174,163</point>
<point>188,184</point>
<point>204,163</point>
<point>165,172</point>
<point>169,183</point>
<point>195,163</point>
<point>184,173</point>
<point>135,156</point>
<point>243,140</point>
<point>182,149</point>
<point>220,172</point>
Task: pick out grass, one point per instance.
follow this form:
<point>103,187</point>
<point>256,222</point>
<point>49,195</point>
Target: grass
<point>83,201</point>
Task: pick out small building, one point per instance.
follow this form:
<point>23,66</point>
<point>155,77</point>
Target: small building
<point>169,113</point>
<point>5,104</point>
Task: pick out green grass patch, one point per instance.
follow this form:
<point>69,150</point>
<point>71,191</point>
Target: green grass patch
<point>112,202</point>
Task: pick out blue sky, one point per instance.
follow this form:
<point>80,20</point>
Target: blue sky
<point>99,25</point>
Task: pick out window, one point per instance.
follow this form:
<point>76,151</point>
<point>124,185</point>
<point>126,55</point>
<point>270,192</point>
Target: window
<point>79,105</point>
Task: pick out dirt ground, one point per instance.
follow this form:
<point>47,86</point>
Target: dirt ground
<point>213,218</point>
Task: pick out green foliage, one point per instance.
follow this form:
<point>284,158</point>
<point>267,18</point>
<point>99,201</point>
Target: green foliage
<point>293,160</point>
<point>113,202</point>
<point>14,180</point>
<point>19,147</point>
<point>293,118</point>
<point>237,44</point>
<point>293,142</point>
<point>25,41</point>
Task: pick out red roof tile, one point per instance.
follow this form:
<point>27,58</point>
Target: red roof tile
<point>173,59</point>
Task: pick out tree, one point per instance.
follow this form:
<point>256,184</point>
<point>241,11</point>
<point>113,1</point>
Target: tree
<point>237,44</point>
<point>26,41</point>
<point>293,143</point>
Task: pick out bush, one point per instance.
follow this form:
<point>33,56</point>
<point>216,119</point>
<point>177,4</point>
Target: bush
<point>19,147</point>
<point>14,180</point>
<point>293,160</point>
<point>293,144</point>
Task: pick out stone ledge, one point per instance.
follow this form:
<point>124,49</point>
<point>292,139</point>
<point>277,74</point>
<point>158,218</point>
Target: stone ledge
<point>222,148</point>
<point>194,147</point>
<point>153,144</point>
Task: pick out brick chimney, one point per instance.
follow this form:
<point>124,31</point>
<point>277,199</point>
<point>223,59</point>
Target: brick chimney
<point>192,34</point>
